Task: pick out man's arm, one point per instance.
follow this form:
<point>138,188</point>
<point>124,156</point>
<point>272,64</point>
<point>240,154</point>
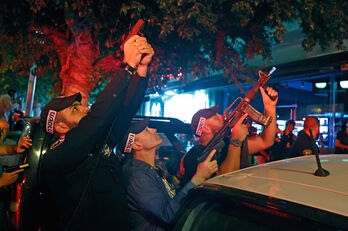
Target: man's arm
<point>232,160</point>
<point>135,93</point>
<point>8,178</point>
<point>82,140</point>
<point>143,187</point>
<point>258,143</point>
<point>3,130</point>
<point>338,144</point>
<point>22,145</point>
<point>6,149</point>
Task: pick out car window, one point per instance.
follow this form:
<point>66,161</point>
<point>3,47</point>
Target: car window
<point>171,151</point>
<point>225,214</point>
<point>214,216</point>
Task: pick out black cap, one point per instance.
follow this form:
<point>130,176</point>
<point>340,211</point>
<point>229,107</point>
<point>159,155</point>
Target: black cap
<point>49,112</point>
<point>199,118</point>
<point>18,112</point>
<point>128,139</point>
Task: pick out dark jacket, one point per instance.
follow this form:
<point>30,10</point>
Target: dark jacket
<point>86,184</point>
<point>191,163</point>
<point>302,146</point>
<point>151,206</point>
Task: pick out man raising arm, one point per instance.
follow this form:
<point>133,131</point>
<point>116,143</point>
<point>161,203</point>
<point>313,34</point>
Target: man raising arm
<point>82,174</point>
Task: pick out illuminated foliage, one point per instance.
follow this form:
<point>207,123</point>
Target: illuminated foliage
<point>191,38</point>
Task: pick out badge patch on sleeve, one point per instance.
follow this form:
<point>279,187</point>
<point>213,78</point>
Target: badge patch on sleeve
<point>129,143</point>
<point>200,126</point>
<point>50,121</point>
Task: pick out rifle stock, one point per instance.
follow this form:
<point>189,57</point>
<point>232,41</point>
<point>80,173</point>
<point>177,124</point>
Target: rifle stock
<point>232,118</point>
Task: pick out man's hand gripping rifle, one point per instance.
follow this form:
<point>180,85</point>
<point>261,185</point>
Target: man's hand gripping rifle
<point>242,108</point>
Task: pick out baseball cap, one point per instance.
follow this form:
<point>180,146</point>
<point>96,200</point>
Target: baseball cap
<point>128,139</point>
<point>49,112</point>
<point>199,118</point>
<point>18,112</point>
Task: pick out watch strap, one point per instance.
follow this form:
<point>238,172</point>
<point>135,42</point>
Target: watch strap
<point>129,68</point>
<point>236,142</point>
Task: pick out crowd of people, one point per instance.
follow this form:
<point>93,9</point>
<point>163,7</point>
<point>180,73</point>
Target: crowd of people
<point>91,190</point>
<point>11,119</point>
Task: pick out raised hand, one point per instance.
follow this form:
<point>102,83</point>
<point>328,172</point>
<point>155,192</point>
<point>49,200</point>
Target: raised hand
<point>240,130</point>
<point>147,52</point>
<point>138,54</point>
<point>132,55</point>
<point>145,49</point>
<point>23,144</point>
<point>8,178</point>
<point>205,169</point>
<point>269,97</point>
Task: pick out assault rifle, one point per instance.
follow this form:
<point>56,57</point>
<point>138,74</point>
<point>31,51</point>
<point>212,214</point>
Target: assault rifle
<point>242,108</point>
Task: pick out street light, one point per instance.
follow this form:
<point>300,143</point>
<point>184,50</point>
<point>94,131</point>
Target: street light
<point>320,85</point>
<point>344,84</point>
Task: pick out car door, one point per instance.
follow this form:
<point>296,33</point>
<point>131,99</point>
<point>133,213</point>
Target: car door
<point>218,210</point>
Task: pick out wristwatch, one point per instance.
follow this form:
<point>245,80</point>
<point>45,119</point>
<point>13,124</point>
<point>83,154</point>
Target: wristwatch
<point>129,68</point>
<point>236,142</point>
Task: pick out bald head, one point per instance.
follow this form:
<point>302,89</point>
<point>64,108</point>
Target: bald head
<point>311,123</point>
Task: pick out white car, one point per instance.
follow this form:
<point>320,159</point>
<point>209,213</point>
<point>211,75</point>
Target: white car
<point>281,195</point>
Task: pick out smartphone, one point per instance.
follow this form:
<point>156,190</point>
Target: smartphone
<point>16,167</point>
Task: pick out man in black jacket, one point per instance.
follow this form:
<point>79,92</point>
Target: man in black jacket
<point>303,144</point>
<point>83,176</point>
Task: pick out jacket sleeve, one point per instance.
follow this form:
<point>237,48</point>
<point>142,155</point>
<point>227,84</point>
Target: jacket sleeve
<point>81,140</point>
<point>150,197</point>
<point>134,98</point>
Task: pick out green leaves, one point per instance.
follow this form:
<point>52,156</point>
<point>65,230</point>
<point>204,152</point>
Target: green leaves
<point>186,34</point>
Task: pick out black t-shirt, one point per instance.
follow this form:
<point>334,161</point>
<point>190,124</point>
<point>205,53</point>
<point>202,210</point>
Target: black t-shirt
<point>19,125</point>
<point>342,136</point>
<point>285,139</point>
<point>191,163</point>
<point>276,151</point>
<point>302,146</point>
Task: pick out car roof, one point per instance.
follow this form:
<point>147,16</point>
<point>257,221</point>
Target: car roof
<point>166,124</point>
<point>293,180</point>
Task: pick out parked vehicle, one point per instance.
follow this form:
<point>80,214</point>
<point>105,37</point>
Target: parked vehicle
<point>281,195</point>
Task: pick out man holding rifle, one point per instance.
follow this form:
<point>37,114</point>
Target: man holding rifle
<point>237,149</point>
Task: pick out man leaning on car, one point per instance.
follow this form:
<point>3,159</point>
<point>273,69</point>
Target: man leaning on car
<point>152,200</point>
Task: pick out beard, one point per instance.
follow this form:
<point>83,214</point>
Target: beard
<point>71,125</point>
